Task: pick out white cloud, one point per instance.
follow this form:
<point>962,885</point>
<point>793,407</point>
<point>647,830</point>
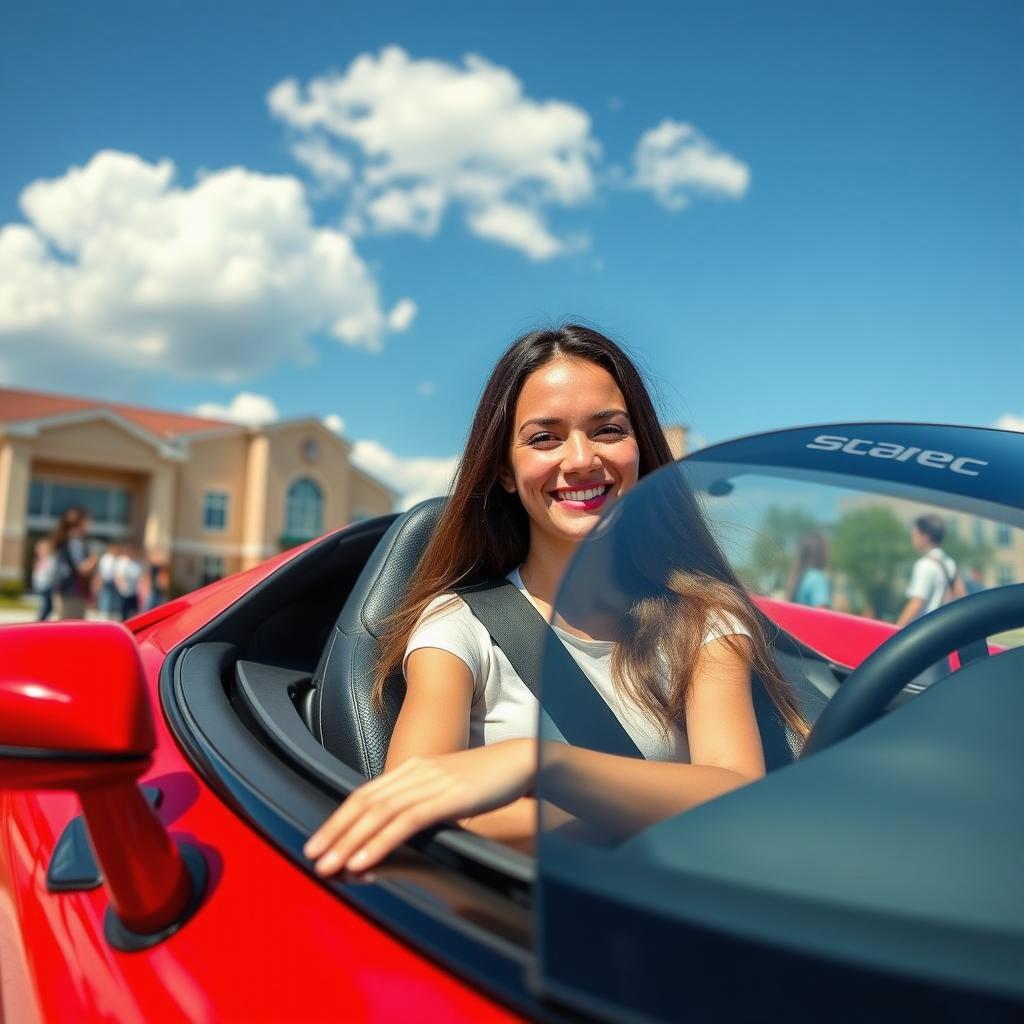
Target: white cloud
<point>415,479</point>
<point>402,315</point>
<point>245,407</point>
<point>675,162</point>
<point>1009,421</point>
<point>426,388</point>
<point>427,135</point>
<point>330,169</point>
<point>332,421</point>
<point>120,266</point>
<point>517,227</point>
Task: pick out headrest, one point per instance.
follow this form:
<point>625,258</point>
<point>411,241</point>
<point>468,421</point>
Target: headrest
<point>381,585</point>
<point>345,717</point>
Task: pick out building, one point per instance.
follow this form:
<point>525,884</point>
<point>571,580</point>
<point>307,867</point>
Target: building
<point>206,496</point>
<point>678,437</point>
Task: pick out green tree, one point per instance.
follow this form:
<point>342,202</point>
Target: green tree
<point>966,554</point>
<point>872,549</point>
<point>774,547</point>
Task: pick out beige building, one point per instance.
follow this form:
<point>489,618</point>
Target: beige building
<point>207,496</point>
<point>678,437</point>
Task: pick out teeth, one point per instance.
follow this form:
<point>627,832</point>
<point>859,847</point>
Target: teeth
<point>587,495</point>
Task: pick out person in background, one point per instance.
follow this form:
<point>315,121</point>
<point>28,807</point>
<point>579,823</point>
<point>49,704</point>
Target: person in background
<point>159,581</point>
<point>808,582</point>
<point>127,574</point>
<point>934,578</point>
<point>73,564</point>
<point>974,581</point>
<point>42,578</point>
<point>109,600</point>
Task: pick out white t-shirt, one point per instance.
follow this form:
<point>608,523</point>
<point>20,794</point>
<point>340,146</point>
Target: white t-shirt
<point>43,573</point>
<point>126,574</point>
<point>106,566</point>
<point>928,581</point>
<point>503,707</point>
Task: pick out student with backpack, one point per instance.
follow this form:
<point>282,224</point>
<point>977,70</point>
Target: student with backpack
<point>934,579</point>
<point>73,564</point>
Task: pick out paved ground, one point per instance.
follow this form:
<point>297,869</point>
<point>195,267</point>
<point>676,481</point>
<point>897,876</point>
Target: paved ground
<point>28,614</point>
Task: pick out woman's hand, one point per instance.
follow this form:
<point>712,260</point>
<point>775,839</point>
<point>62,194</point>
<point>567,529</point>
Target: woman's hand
<point>421,792</point>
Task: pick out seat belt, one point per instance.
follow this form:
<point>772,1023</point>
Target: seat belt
<point>577,709</point>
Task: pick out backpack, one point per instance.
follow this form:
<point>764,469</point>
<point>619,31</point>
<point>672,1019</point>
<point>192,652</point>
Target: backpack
<point>949,594</point>
<point>66,579</point>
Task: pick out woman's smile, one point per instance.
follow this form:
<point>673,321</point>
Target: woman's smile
<point>585,499</point>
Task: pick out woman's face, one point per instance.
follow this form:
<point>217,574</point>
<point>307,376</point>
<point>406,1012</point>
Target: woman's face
<point>572,451</point>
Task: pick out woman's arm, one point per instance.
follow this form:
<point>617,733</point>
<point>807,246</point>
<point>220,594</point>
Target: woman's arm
<point>434,720</point>
<point>618,794</point>
<point>622,795</point>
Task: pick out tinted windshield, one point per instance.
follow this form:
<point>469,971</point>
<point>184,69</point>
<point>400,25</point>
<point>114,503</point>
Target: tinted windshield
<point>818,542</point>
<point>834,560</point>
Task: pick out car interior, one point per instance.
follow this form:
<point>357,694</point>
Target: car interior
<point>294,658</point>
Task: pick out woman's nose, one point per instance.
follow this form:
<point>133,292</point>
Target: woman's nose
<point>580,453</point>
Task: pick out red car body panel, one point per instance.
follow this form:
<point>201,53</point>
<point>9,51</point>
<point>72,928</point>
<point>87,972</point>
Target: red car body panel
<point>269,942</point>
<point>845,639</point>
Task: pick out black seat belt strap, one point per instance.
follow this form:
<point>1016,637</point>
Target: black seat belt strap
<point>577,709</point>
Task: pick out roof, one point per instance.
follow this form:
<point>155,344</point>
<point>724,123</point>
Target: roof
<point>25,406</point>
<point>33,405</point>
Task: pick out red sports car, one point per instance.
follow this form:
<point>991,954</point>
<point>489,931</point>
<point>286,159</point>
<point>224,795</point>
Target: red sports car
<point>160,778</point>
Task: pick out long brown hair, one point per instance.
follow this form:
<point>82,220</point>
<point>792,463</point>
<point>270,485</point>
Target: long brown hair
<point>71,518</point>
<point>484,533</point>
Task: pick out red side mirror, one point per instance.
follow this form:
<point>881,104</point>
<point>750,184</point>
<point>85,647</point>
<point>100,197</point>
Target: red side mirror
<point>75,714</point>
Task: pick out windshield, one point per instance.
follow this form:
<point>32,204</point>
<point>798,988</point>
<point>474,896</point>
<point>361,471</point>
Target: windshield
<point>816,541</point>
<point>830,566</point>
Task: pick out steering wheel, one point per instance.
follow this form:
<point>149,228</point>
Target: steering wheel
<point>867,691</point>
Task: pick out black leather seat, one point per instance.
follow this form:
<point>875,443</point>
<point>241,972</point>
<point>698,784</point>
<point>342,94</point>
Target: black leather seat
<point>350,725</point>
<point>345,718</point>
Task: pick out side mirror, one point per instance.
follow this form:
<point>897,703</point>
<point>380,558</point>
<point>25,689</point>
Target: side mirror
<point>75,714</point>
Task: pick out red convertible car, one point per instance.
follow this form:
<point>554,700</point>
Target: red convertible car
<point>158,780</point>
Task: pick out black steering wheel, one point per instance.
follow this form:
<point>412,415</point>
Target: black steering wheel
<point>867,691</point>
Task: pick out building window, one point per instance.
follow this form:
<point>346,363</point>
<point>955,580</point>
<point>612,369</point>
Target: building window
<point>1005,575</point>
<point>107,506</point>
<point>979,533</point>
<point>211,569</point>
<point>1003,535</point>
<point>215,510</point>
<point>304,511</point>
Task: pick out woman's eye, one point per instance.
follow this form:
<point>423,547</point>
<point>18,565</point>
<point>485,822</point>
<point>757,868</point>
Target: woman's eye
<point>612,430</point>
<point>543,438</point>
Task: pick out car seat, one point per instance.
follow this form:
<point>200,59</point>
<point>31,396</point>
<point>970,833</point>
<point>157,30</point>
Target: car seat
<point>343,714</point>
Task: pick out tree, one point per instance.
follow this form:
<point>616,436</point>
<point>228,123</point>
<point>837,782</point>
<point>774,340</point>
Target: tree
<point>872,548</point>
<point>773,550</point>
<point>966,554</point>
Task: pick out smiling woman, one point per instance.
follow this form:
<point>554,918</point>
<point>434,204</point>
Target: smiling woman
<point>564,429</point>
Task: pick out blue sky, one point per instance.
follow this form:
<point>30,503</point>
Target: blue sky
<point>849,245</point>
